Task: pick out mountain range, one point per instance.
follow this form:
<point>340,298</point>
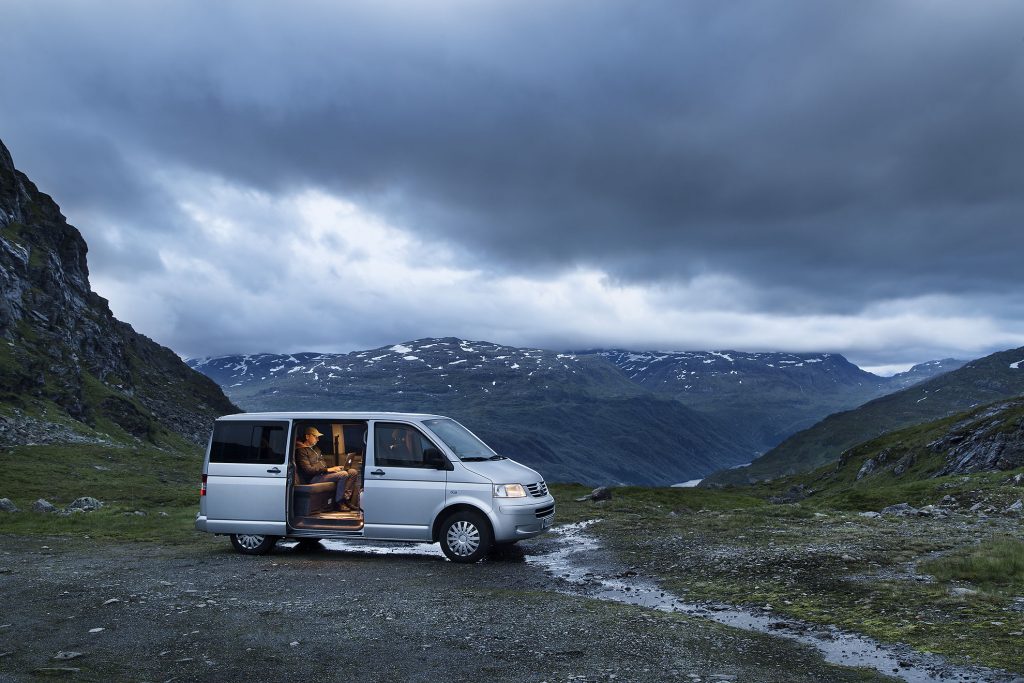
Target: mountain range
<point>574,417</point>
<point>597,416</point>
<point>765,397</point>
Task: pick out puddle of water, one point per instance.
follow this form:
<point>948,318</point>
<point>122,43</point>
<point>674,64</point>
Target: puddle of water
<point>569,561</point>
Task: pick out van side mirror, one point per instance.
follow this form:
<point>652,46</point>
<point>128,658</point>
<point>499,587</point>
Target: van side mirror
<point>435,458</point>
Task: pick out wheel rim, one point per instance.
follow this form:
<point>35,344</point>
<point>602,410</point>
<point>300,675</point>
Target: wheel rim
<point>463,538</point>
<point>249,541</point>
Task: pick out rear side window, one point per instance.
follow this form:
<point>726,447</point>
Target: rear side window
<point>244,442</point>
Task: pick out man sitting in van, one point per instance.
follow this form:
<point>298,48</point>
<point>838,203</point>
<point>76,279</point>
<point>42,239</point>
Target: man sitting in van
<point>313,469</point>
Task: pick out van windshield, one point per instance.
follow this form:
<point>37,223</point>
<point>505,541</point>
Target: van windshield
<point>462,441</point>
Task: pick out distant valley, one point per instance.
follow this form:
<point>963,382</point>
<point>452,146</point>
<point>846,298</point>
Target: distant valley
<point>765,396</point>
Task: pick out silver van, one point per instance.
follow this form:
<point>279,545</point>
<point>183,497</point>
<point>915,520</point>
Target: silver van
<point>411,477</point>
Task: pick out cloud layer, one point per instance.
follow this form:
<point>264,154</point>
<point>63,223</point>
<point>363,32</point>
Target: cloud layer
<point>835,176</point>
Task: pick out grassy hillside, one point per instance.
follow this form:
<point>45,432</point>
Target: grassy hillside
<point>921,464</point>
<point>979,382</point>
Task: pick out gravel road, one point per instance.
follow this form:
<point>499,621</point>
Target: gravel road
<point>201,612</point>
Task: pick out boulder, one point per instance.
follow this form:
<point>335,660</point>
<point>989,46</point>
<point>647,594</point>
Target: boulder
<point>933,511</point>
<point>44,506</point>
<point>600,493</point>
<point>867,468</point>
<point>85,503</point>
<point>901,509</point>
<point>7,505</point>
<point>873,464</point>
<point>1015,509</point>
<point>905,463</point>
<point>793,495</point>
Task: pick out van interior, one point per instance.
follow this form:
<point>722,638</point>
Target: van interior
<point>314,505</point>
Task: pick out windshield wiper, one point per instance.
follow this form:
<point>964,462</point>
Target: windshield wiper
<point>497,457</point>
<point>474,459</point>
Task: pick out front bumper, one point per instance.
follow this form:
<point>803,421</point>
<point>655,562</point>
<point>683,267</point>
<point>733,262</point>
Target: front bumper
<point>515,520</point>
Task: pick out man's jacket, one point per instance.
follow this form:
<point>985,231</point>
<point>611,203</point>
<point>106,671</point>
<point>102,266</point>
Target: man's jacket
<point>310,462</point>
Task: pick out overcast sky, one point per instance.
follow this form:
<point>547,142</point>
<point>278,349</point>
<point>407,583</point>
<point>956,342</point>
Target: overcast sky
<point>265,176</point>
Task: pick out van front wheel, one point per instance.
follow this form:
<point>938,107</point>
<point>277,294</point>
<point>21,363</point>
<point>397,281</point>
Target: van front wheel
<point>253,544</point>
<point>466,537</point>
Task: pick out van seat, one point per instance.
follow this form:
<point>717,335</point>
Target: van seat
<point>309,499</point>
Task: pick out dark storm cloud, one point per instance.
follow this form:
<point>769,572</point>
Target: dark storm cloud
<point>830,154</point>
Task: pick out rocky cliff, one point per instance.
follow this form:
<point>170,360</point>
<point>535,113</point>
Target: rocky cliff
<point>988,438</point>
<point>64,355</point>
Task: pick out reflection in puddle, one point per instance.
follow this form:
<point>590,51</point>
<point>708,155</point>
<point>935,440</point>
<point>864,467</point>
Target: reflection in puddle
<point>385,548</point>
<point>575,561</point>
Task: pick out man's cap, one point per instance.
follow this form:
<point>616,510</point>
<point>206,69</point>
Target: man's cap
<point>313,431</point>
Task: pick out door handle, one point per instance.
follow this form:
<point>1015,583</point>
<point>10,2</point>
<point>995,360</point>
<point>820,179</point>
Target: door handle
<point>274,470</point>
<point>377,472</point>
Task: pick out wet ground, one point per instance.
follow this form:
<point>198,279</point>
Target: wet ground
<point>583,565</point>
<point>141,612</point>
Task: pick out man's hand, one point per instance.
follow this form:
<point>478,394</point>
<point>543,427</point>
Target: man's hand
<point>333,469</point>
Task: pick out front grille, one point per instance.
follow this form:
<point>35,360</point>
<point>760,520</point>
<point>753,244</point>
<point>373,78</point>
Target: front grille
<point>545,511</point>
<point>538,490</point>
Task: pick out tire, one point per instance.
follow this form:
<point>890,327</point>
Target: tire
<point>466,537</point>
<point>253,544</point>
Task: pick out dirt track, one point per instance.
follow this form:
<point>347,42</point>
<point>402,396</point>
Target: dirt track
<point>203,612</point>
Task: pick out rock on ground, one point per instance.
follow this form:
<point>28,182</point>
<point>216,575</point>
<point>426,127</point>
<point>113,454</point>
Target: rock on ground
<point>901,509</point>
<point>86,503</point>
<point>600,493</point>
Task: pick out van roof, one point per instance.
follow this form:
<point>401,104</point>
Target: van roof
<point>330,415</point>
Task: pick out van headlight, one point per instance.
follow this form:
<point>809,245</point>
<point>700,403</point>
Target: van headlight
<point>509,491</point>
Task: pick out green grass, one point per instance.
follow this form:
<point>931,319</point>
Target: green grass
<point>878,492</point>
<point>995,565</point>
<point>637,498</point>
<point>126,479</point>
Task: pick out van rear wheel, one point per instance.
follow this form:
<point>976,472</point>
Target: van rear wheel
<point>466,537</point>
<point>253,544</point>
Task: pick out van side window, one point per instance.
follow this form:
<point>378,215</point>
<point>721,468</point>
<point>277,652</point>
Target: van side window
<point>398,445</point>
<point>249,442</point>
